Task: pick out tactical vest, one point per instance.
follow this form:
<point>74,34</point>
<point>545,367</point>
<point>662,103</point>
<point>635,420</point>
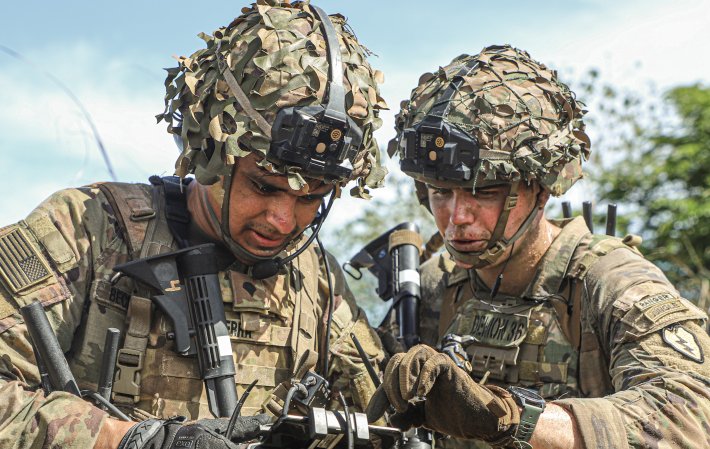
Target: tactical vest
<point>273,322</point>
<point>540,343</point>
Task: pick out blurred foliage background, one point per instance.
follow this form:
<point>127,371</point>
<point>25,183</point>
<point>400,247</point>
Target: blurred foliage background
<point>650,156</point>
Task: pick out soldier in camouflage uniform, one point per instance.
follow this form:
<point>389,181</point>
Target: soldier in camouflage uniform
<point>254,208</point>
<point>582,321</point>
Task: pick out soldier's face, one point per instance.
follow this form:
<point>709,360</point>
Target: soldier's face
<point>265,214</point>
<point>467,221</point>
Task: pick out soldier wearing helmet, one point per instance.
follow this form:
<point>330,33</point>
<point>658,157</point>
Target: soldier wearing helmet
<point>273,117</point>
<point>552,336</point>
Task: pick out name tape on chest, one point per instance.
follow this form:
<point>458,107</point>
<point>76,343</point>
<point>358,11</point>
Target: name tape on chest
<point>498,329</point>
<point>683,341</point>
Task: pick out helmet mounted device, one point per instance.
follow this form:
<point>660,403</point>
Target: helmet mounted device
<point>319,140</point>
<point>435,149</point>
<point>322,139</point>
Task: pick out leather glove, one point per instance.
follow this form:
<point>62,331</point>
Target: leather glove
<point>454,403</point>
<point>205,433</point>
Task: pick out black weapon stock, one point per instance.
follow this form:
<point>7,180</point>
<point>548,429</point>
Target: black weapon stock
<point>187,290</point>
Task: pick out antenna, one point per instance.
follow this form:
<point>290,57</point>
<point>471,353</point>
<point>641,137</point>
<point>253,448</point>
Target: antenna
<point>76,101</point>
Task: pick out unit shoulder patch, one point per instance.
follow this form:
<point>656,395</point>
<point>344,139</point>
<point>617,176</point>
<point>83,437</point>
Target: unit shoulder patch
<point>683,341</point>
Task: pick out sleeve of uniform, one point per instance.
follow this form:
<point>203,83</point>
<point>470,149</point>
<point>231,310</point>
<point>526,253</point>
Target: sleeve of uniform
<point>658,359</point>
<point>47,258</point>
<point>347,371</point>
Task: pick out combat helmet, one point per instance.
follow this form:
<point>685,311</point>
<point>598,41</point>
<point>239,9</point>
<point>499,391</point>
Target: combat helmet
<point>284,81</point>
<point>493,118</point>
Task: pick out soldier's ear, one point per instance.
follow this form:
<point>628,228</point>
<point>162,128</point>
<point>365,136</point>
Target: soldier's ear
<point>543,195</point>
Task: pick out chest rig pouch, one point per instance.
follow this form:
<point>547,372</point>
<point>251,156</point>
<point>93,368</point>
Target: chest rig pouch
<point>496,329</point>
<point>546,344</point>
<point>144,215</point>
<point>273,323</point>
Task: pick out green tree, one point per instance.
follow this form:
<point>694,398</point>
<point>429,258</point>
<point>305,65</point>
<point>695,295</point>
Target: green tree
<point>657,164</point>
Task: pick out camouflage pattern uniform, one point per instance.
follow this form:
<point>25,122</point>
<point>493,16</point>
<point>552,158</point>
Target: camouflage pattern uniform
<point>63,253</point>
<point>602,338</point>
<point>76,233</point>
<point>599,330</point>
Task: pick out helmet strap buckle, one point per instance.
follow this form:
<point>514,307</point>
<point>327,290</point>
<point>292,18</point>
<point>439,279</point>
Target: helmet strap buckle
<point>511,201</point>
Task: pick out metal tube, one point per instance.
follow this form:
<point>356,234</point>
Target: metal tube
<point>566,209</point>
<point>611,219</point>
<point>587,212</point>
<point>47,347</point>
<point>108,363</point>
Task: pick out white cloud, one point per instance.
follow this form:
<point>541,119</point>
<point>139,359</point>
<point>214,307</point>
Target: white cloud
<point>47,143</point>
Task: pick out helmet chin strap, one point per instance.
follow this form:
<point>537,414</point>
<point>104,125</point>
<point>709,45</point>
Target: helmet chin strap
<point>236,249</point>
<point>497,243</point>
<point>260,267</point>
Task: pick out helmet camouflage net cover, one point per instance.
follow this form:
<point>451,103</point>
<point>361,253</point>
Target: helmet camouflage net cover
<point>526,123</point>
<point>277,53</point>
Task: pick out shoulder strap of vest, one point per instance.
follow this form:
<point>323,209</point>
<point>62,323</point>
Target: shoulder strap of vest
<point>594,380</point>
<point>132,205</point>
<point>176,213</point>
<point>599,246</point>
<point>145,216</point>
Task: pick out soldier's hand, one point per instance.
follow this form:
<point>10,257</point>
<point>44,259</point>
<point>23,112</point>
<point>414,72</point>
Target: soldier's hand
<point>205,433</point>
<point>454,404</point>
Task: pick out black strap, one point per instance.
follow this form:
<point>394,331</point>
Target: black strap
<point>176,213</point>
<point>441,107</point>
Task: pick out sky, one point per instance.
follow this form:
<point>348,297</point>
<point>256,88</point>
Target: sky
<point>110,56</point>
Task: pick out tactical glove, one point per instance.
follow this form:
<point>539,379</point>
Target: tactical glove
<point>205,433</point>
<point>454,403</point>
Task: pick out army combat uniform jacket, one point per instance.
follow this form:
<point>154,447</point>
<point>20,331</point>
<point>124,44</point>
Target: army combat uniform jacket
<point>600,331</point>
<point>62,255</point>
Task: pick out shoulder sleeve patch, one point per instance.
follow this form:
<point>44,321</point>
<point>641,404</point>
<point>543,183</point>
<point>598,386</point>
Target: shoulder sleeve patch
<point>684,342</point>
<point>22,265</point>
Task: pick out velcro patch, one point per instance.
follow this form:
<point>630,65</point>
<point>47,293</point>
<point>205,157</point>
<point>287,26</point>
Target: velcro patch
<point>654,300</point>
<point>498,329</point>
<point>683,341</point>
<point>657,306</point>
<point>21,264</point>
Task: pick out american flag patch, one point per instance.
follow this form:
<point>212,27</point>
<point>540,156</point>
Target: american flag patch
<point>21,265</point>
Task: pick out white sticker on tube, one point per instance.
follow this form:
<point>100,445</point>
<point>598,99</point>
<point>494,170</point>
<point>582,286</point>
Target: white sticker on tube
<point>409,276</point>
<point>224,345</point>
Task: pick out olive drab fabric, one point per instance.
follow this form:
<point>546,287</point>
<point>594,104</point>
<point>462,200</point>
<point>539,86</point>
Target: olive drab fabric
<point>591,325</point>
<point>80,235</point>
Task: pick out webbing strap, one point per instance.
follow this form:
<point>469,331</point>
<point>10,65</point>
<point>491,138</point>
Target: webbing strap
<point>126,388</point>
<point>405,237</point>
<point>239,94</point>
<point>176,212</point>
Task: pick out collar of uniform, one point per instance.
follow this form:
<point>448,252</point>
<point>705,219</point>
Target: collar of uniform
<point>454,273</point>
<point>553,267</point>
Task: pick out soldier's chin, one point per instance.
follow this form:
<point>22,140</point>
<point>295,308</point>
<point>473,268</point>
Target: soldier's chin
<point>463,265</point>
<point>265,252</point>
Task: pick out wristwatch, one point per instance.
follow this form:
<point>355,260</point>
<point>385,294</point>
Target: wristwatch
<point>533,405</point>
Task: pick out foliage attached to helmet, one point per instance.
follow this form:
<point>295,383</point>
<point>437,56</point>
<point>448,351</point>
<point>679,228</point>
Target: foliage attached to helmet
<point>306,119</point>
<point>496,116</point>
